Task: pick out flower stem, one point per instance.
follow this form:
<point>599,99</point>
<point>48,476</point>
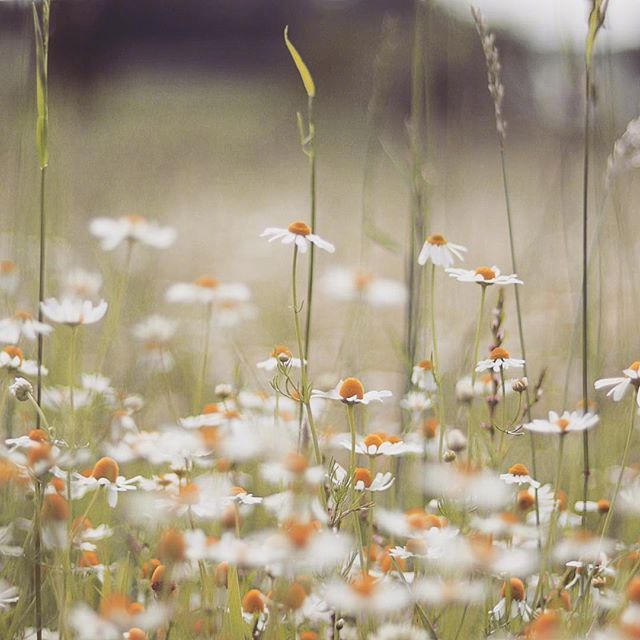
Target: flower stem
<point>623,465</point>
<point>474,362</point>
<point>312,187</point>
<point>37,556</point>
<point>197,399</point>
<point>436,368</point>
<point>585,290</point>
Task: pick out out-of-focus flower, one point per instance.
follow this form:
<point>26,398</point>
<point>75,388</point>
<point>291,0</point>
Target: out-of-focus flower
<point>422,376</point>
<point>207,290</point>
<point>22,325</point>
<point>519,474</point>
<point>134,228</point>
<point>82,284</point>
<point>21,389</point>
<point>356,284</point>
<point>73,312</point>
<point>566,423</point>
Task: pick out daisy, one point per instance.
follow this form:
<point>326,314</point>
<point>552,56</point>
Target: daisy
<point>12,358</point>
<point>8,276</point>
<point>484,276</point>
<point>499,360</point>
<point>73,312</point>
<point>106,473</point>
<point>440,252</point>
<point>561,425</point>
<point>134,228</point>
<point>365,596</point>
<point>364,480</point>
<point>208,290</point>
<point>356,284</point>
<point>351,391</point>
<point>592,506</point>
<point>380,444</point>
<point>422,376</point>
<point>518,604</point>
<point>280,355</point>
<point>518,474</point>
<point>298,233</point>
<point>24,325</point>
<point>155,332</point>
<point>82,284</point>
<point>620,385</point>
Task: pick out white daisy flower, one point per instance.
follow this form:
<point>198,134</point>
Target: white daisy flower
<point>499,359</point>
<point>422,376</point>
<point>12,358</point>
<point>561,425</point>
<point>208,290</point>
<point>298,233</point>
<point>280,355</point>
<point>484,276</point>
<point>440,252</point>
<point>519,607</point>
<point>393,631</point>
<point>380,444</point>
<point>134,228</point>
<point>416,401</point>
<point>592,506</point>
<point>8,276</point>
<point>356,284</point>
<point>620,385</point>
<point>518,474</point>
<point>363,479</point>
<point>351,391</point>
<point>106,473</point>
<point>73,312</point>
<point>22,325</point>
<point>155,332</point>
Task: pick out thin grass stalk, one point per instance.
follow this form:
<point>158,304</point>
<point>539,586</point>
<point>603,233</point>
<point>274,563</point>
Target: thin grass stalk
<point>585,290</point>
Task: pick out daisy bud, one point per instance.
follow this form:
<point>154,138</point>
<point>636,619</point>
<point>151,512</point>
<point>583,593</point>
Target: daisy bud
<point>449,456</point>
<point>21,389</point>
<point>520,385</point>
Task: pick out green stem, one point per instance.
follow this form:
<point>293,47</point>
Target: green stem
<point>352,454</point>
<point>312,164</point>
<point>476,348</point>
<point>37,554</point>
<point>436,367</point>
<point>623,464</point>
<point>41,294</point>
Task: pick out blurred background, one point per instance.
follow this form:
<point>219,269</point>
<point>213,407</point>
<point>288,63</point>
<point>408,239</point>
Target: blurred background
<point>185,112</point>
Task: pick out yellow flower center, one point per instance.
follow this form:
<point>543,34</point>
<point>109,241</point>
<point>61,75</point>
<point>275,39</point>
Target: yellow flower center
<point>499,354</point>
<point>437,239</point>
<point>299,228</point>
<point>207,282</point>
<point>351,387</point>
<point>486,272</point>
<point>634,366</point>
<point>518,470</point>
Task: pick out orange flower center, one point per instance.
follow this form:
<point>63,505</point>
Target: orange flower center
<point>135,633</point>
<point>89,559</point>
<point>281,353</point>
<point>172,546</point>
<point>437,239</point>
<point>633,590</point>
<point>14,352</point>
<point>364,585</point>
<point>362,475</point>
<point>603,505</point>
<point>499,354</point>
<point>351,387</point>
<point>373,440</point>
<point>207,282</point>
<point>55,508</point>
<point>106,468</point>
<point>426,365</point>
<point>518,470</point>
<point>299,533</point>
<point>38,435</point>
<point>7,266</point>
<point>634,366</point>
<point>296,463</point>
<point>362,280</point>
<point>486,272</point>
<point>516,588</point>
<point>299,228</point>
<point>563,423</point>
<point>253,601</point>
<point>23,315</point>
<point>189,494</point>
<point>135,219</point>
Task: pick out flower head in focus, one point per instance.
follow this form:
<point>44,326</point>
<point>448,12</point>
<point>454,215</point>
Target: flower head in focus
<point>298,233</point>
<point>441,252</point>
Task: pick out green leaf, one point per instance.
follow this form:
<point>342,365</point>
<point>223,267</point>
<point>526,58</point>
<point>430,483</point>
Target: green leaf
<point>234,624</point>
<point>307,80</point>
<point>596,20</point>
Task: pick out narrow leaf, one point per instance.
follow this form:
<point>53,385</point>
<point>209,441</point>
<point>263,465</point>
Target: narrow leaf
<point>307,80</point>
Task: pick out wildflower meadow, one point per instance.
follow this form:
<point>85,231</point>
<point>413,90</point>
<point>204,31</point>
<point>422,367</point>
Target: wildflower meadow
<point>352,427</point>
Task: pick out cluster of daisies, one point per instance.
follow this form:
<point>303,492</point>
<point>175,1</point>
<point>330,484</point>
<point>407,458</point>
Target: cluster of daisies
<point>293,509</point>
